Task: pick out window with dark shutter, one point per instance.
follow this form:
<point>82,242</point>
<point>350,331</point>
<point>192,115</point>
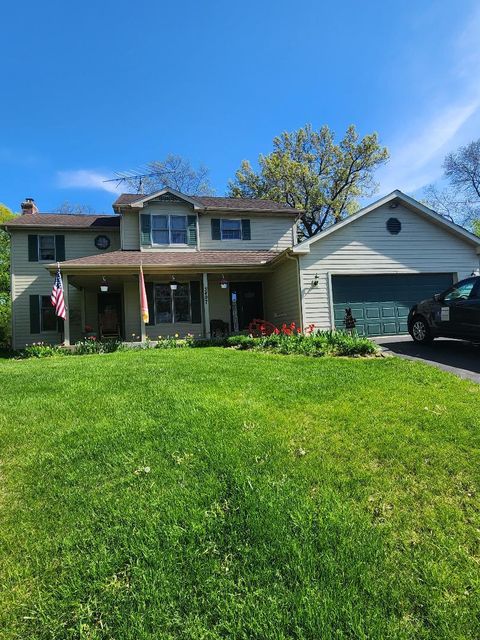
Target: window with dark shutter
<point>215,222</point>
<point>246,233</point>
<point>35,314</point>
<point>33,248</point>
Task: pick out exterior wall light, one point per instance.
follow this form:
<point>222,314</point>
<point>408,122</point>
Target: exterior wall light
<point>223,282</point>
<point>104,285</point>
<point>315,281</point>
<point>173,284</point>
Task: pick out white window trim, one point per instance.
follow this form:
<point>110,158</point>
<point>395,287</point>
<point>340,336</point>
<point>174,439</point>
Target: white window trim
<point>172,304</point>
<point>41,307</point>
<point>47,235</point>
<point>168,216</point>
<point>221,230</point>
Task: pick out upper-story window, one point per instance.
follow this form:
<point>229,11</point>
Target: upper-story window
<point>46,248</point>
<point>169,229</point>
<point>230,229</point>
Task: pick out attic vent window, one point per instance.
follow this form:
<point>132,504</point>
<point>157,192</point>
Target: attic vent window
<point>394,226</point>
<point>167,197</point>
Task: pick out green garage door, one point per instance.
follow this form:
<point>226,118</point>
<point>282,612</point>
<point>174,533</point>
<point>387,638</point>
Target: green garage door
<point>380,303</point>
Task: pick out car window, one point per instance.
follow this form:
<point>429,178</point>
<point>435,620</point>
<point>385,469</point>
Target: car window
<point>461,291</point>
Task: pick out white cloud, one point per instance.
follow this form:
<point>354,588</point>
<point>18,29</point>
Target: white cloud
<point>86,179</point>
<point>417,152</point>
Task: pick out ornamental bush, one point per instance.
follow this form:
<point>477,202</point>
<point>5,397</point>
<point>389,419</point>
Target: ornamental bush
<point>41,350</point>
<point>91,345</point>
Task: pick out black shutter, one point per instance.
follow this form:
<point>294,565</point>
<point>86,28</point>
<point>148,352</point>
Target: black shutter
<point>192,230</point>
<point>145,225</point>
<point>59,248</point>
<point>246,234</point>
<point>33,248</point>
<point>151,303</point>
<point>195,300</point>
<point>34,314</point>
<point>216,229</point>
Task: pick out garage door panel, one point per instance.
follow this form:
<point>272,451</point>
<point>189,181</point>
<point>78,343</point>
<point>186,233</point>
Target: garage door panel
<point>380,303</point>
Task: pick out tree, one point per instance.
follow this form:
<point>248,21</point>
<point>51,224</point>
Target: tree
<point>175,173</point>
<point>72,208</point>
<point>308,170</point>
<point>5,215</point>
<point>460,200</point>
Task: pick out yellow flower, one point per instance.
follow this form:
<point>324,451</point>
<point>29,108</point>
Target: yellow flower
<point>176,335</point>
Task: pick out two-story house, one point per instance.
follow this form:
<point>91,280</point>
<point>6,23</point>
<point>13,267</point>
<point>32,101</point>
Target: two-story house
<point>212,261</point>
<point>203,259</point>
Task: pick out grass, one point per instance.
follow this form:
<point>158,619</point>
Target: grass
<point>206,494</point>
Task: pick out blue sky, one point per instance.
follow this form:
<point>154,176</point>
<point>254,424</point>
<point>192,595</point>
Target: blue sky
<point>90,88</point>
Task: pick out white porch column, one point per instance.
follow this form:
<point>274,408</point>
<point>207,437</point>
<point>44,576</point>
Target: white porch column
<point>206,309</point>
<point>82,310</point>
<point>66,322</point>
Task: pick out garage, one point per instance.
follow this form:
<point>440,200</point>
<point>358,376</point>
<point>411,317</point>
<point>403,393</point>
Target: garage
<point>380,303</point>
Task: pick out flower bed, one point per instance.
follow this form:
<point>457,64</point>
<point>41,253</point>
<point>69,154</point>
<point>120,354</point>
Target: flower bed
<point>287,340</point>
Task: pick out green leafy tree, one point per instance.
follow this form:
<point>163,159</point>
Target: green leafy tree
<point>5,214</point>
<point>309,171</point>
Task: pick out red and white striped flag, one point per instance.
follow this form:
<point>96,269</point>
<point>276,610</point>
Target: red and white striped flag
<point>143,298</point>
<point>57,298</point>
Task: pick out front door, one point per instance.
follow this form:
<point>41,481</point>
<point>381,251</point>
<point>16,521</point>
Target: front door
<point>110,306</point>
<point>246,301</point>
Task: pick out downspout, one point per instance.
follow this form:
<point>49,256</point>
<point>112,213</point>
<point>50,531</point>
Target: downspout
<point>289,256</point>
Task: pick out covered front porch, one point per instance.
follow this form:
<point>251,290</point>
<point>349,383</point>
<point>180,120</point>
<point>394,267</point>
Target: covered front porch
<point>106,303</point>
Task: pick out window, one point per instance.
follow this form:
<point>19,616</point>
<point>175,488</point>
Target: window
<point>102,242</point>
<point>46,248</point>
<point>461,291</point>
<point>394,226</point>
<point>48,319</point>
<point>169,229</point>
<point>230,229</point>
<point>172,306</point>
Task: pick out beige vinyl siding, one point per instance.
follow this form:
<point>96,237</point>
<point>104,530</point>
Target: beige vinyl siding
<point>272,232</point>
<point>130,231</point>
<point>366,247</point>
<point>281,294</point>
<point>32,278</point>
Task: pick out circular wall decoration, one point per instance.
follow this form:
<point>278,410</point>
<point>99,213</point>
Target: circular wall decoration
<point>102,242</point>
<point>394,226</point>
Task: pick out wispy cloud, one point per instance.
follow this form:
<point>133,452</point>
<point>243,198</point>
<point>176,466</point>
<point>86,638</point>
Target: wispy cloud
<point>417,152</point>
<point>85,179</point>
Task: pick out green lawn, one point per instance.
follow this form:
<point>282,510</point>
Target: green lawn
<point>212,493</point>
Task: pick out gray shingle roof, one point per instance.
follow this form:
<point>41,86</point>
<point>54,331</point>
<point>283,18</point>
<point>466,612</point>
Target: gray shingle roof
<point>175,258</point>
<point>64,220</point>
<point>219,203</point>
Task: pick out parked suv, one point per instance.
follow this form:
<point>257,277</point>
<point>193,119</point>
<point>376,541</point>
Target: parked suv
<point>452,314</point>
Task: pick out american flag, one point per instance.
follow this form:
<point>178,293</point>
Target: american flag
<point>57,298</point>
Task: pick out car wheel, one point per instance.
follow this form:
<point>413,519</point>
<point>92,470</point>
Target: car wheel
<point>420,331</point>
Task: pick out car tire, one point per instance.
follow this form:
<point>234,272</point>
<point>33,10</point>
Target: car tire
<point>420,331</point>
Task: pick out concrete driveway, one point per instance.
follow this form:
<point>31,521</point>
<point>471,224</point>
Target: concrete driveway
<point>455,356</point>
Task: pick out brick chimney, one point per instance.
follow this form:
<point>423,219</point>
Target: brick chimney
<point>29,206</point>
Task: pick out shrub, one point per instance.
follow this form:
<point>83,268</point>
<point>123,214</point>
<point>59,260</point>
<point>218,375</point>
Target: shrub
<point>242,342</point>
<point>91,345</point>
<point>290,340</point>
<point>41,350</point>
